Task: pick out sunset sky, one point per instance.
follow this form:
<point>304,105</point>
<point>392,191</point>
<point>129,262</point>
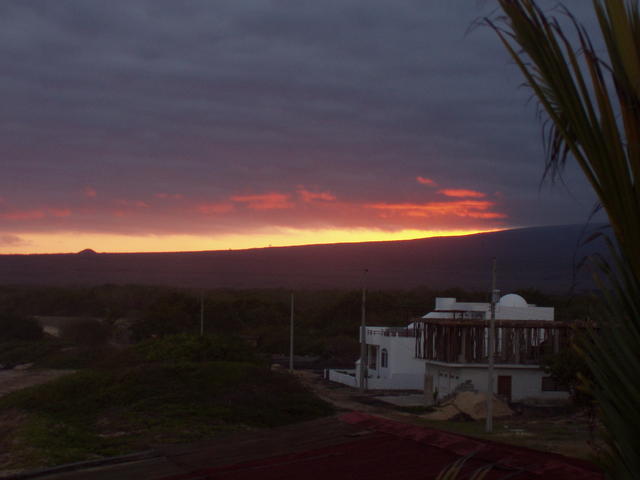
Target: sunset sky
<point>199,125</point>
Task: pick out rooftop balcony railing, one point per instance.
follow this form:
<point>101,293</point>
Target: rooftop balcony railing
<point>392,331</point>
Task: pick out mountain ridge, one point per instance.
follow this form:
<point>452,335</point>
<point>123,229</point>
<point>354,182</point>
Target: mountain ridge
<point>536,257</point>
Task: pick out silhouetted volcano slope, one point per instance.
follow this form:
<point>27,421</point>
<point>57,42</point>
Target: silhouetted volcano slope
<point>542,258</point>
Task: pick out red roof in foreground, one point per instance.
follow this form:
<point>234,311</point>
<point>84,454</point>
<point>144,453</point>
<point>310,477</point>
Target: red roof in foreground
<point>398,451</point>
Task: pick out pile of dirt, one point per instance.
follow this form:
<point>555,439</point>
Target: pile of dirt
<point>471,404</point>
<point>475,405</point>
<point>446,412</point>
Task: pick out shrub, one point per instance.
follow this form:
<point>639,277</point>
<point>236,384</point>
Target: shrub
<point>19,327</point>
<point>568,368</point>
<point>86,332</point>
<point>194,348</point>
<point>15,352</point>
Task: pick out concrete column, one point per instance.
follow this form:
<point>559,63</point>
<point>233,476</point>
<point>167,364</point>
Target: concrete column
<point>462,358</point>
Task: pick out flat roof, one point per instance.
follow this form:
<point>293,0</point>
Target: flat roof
<point>450,322</point>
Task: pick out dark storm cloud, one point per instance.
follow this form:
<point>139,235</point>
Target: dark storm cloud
<point>210,100</point>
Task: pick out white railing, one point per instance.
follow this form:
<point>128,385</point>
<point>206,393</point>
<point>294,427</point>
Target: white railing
<point>392,331</point>
<point>346,377</point>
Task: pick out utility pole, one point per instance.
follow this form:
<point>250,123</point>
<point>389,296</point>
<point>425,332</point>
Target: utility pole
<point>291,337</point>
<point>363,336</point>
<point>201,313</point>
<point>492,346</point>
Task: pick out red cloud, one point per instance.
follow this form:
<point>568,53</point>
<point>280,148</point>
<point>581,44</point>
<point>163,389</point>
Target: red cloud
<point>267,201</point>
<point>214,208</point>
<point>59,212</point>
<point>173,196</point>
<point>461,193</point>
<point>89,192</point>
<point>35,214</point>
<point>308,196</point>
<point>23,215</point>
<point>131,203</point>
<point>426,181</point>
<point>461,208</point>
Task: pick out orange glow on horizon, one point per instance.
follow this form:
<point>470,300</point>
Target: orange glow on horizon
<point>33,243</point>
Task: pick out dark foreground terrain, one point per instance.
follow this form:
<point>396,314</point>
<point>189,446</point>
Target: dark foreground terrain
<point>133,399</point>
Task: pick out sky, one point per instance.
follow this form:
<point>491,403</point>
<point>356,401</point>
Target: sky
<point>155,125</point>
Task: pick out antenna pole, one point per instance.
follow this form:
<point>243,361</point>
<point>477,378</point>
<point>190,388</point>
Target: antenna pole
<point>363,337</point>
<point>492,343</point>
<point>201,313</point>
<point>291,336</point>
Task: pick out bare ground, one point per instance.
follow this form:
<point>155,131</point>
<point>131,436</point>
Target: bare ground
<point>567,434</point>
<point>12,380</point>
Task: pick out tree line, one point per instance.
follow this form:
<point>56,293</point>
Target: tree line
<point>327,321</point>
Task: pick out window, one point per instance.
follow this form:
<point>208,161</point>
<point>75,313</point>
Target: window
<point>551,385</point>
<point>384,358</point>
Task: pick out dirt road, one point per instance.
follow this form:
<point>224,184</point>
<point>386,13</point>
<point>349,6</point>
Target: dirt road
<point>347,398</point>
<point>12,380</point>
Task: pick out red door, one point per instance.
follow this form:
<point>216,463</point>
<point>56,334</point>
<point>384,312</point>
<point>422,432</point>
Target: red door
<point>504,387</point>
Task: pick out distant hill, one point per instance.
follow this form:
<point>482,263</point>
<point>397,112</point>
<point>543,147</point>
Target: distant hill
<point>541,257</point>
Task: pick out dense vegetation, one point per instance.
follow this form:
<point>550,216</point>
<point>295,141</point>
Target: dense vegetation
<point>326,321</point>
<point>14,326</point>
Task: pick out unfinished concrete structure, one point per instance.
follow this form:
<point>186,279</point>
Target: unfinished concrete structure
<point>454,343</point>
<point>447,351</point>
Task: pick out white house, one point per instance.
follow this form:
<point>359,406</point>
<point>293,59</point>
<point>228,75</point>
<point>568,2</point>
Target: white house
<point>392,363</point>
<point>446,351</point>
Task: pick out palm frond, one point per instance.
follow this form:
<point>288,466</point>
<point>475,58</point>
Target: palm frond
<point>455,470</point>
<point>593,109</point>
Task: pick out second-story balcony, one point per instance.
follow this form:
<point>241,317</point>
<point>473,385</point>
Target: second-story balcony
<point>520,342</point>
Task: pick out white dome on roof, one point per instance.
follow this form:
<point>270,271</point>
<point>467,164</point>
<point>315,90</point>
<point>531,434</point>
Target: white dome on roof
<point>512,300</point>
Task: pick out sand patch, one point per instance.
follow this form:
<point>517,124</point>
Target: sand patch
<point>471,404</point>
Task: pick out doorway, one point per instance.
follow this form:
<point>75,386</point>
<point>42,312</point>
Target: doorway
<point>504,387</point>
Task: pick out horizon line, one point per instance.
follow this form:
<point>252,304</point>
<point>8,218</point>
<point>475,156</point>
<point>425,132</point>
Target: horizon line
<point>451,234</point>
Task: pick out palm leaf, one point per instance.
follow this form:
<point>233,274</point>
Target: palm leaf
<point>455,470</point>
<point>593,107</point>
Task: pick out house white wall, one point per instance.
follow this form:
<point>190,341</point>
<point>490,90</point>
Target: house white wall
<point>526,381</point>
<point>403,370</point>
